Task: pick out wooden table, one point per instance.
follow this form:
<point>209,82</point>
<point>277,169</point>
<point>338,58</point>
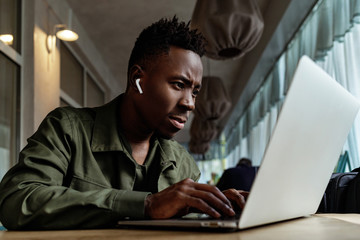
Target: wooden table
<point>327,226</point>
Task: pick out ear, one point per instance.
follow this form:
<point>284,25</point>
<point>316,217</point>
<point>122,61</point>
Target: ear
<point>135,72</point>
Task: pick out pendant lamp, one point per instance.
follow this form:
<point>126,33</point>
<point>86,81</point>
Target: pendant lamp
<point>202,131</point>
<point>211,105</point>
<point>201,135</point>
<point>65,32</point>
<point>213,101</point>
<point>231,27</point>
<point>6,28</point>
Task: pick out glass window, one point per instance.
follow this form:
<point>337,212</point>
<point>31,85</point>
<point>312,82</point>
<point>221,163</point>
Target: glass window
<point>76,90</point>
<point>71,75</point>
<point>10,23</point>
<point>94,94</point>
<point>9,112</point>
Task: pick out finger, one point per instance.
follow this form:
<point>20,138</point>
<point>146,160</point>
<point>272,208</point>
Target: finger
<point>237,196</point>
<point>203,207</point>
<point>213,201</point>
<point>244,193</point>
<point>204,197</point>
<point>240,200</point>
<point>214,190</point>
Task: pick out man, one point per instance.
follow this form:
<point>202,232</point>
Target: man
<point>88,168</point>
<point>239,177</point>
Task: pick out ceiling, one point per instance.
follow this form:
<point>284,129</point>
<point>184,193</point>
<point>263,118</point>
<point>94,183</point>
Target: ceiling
<point>114,25</point>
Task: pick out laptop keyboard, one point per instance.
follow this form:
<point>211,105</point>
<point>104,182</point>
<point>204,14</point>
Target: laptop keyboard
<point>203,216</point>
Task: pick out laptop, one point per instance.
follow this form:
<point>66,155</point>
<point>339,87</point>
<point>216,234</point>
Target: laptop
<point>312,127</point>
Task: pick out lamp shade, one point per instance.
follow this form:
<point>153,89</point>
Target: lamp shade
<point>211,105</point>
<point>213,101</point>
<point>199,147</point>
<point>66,32</point>
<point>202,131</point>
<point>67,35</point>
<point>7,23</point>
<point>231,27</point>
<point>8,39</point>
<point>201,134</point>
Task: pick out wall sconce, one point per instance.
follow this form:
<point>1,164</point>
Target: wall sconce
<point>63,32</point>
<point>8,39</point>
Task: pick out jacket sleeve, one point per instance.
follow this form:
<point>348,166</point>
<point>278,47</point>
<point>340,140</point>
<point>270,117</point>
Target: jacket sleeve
<point>33,194</point>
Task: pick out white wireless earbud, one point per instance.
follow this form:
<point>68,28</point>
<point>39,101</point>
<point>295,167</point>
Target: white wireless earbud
<point>137,81</point>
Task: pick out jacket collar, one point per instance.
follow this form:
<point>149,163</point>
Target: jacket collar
<point>107,137</point>
<point>105,132</point>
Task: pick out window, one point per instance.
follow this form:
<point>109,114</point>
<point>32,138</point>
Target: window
<point>94,95</point>
<point>10,26</point>
<point>329,35</point>
<point>71,76</point>
<point>9,112</point>
<point>10,59</point>
<point>78,87</point>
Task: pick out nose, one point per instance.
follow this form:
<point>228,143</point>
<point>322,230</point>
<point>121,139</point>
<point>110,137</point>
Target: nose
<point>188,101</point>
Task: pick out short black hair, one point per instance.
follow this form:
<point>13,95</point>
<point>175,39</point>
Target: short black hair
<point>244,161</point>
<point>156,40</point>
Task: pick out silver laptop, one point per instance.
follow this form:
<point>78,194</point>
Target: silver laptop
<point>306,143</point>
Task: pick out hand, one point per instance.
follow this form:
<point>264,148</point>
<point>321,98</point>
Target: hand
<point>177,199</point>
<point>237,197</point>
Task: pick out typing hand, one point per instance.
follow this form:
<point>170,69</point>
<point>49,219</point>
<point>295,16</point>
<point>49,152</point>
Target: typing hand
<point>237,198</point>
<point>177,199</point>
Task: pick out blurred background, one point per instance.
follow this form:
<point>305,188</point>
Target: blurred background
<point>254,46</point>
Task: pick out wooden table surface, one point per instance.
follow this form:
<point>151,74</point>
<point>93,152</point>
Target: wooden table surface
<point>327,226</point>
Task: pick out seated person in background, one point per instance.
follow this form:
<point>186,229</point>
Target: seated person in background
<point>89,167</point>
<point>239,177</point>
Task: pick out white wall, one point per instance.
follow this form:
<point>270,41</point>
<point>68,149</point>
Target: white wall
<point>41,68</point>
<point>46,65</point>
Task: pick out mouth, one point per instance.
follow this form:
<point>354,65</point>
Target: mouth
<point>178,121</point>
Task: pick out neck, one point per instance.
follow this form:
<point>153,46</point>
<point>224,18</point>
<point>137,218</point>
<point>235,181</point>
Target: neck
<point>134,129</point>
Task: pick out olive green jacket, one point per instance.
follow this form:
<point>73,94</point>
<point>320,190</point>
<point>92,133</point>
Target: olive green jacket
<point>77,172</point>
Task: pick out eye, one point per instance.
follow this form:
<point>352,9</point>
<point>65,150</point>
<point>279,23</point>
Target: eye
<point>179,85</point>
<point>195,92</point>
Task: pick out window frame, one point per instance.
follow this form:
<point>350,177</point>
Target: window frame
<point>86,71</point>
<point>15,56</point>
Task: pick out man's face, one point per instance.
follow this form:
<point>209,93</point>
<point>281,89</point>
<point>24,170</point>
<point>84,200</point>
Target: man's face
<point>170,86</point>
